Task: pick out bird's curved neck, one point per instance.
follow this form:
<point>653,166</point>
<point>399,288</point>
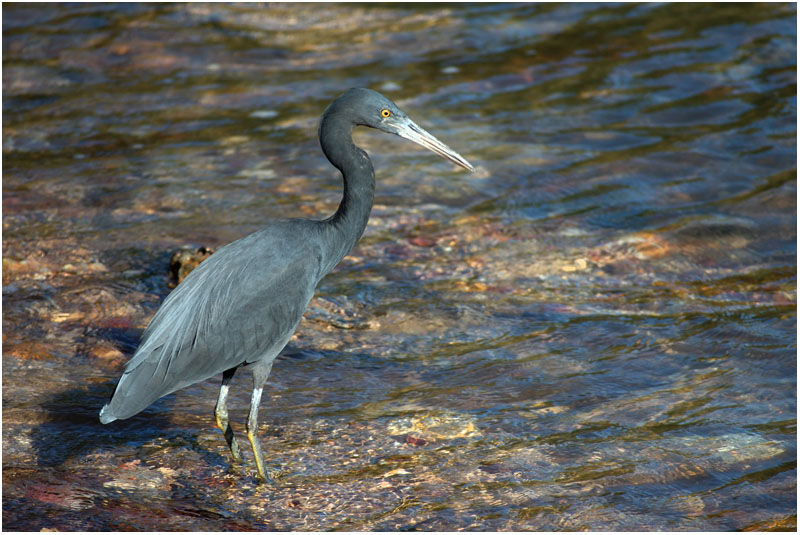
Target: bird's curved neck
<point>350,219</point>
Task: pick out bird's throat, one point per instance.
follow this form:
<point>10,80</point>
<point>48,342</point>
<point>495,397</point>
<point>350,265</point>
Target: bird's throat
<point>358,176</point>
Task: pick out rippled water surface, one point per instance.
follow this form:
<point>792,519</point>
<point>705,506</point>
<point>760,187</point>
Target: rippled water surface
<point>594,330</point>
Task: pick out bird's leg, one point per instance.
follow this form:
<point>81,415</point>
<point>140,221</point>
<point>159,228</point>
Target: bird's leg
<point>252,426</point>
<point>260,374</point>
<point>221,414</point>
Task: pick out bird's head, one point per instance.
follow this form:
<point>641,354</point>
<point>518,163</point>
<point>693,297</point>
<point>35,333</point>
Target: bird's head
<point>370,108</point>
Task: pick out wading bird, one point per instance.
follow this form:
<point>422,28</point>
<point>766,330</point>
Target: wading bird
<point>239,308</point>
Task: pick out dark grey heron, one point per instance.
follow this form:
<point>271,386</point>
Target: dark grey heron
<point>239,308</point>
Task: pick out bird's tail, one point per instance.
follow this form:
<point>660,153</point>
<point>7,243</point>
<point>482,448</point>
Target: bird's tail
<point>105,415</point>
<point>136,390</point>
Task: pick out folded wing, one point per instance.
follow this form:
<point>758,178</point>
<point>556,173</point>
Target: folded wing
<point>239,306</point>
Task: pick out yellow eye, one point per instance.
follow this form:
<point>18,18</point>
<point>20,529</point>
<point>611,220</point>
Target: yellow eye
<point>385,113</point>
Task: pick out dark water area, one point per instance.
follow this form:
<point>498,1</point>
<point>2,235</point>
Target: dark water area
<point>595,330</point>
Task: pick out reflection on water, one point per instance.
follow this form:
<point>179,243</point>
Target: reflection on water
<point>595,330</point>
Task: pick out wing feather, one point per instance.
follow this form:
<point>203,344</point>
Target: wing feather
<point>239,306</point>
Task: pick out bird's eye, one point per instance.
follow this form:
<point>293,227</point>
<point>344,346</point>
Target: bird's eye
<point>385,113</point>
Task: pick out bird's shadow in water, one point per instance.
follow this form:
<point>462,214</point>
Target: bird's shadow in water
<point>72,429</point>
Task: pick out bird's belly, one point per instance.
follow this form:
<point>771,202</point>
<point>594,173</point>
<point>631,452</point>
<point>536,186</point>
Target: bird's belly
<point>274,346</point>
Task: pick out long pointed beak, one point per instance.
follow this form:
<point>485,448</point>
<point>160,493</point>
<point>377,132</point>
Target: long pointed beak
<point>410,130</point>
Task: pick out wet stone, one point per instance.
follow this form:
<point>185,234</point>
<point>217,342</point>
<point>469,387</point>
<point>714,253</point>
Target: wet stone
<point>184,261</point>
<point>434,426</point>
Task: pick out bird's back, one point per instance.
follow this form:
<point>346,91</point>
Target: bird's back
<point>239,306</point>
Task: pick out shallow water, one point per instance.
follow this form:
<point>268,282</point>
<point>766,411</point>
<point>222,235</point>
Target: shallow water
<point>595,330</point>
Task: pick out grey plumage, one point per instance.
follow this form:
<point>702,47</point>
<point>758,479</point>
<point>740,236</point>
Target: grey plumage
<point>207,325</point>
<point>241,306</point>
